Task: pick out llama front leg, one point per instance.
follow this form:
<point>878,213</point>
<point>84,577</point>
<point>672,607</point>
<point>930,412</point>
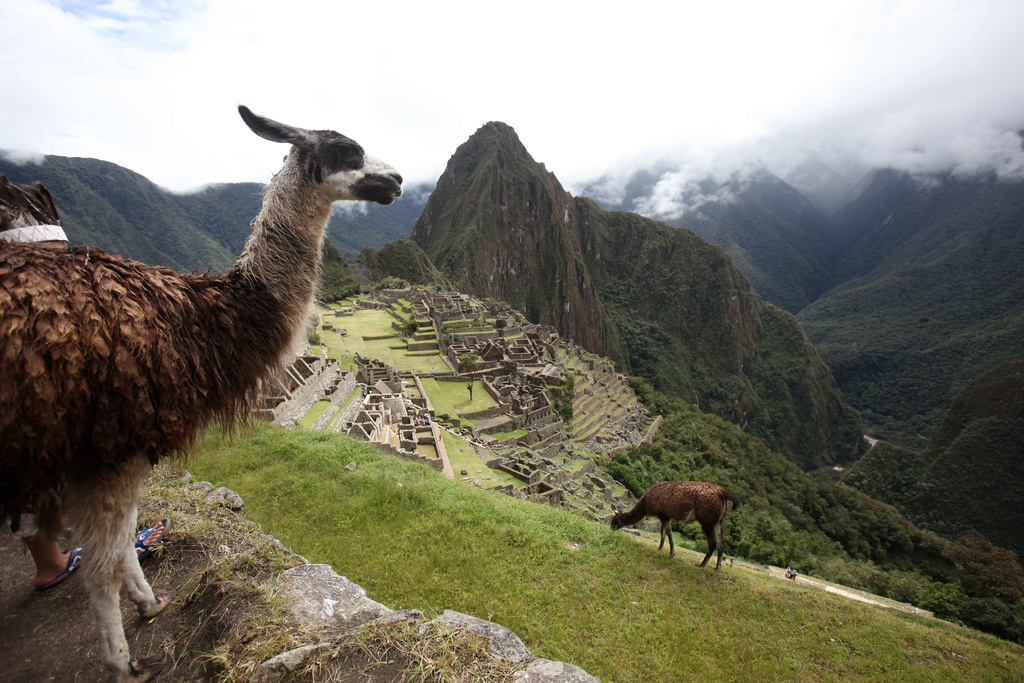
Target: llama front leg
<point>103,588</point>
<point>666,530</point>
<point>103,596</point>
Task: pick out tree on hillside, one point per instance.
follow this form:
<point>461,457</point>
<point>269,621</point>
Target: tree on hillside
<point>410,328</point>
<point>467,362</point>
<point>985,570</point>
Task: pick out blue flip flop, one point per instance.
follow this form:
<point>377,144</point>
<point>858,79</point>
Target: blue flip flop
<point>144,549</point>
<point>74,561</point>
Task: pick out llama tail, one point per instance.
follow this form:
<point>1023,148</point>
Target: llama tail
<point>730,496</point>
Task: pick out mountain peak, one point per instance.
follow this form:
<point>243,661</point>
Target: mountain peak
<point>662,302</point>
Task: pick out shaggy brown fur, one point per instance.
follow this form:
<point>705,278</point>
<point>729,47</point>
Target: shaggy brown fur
<point>102,356</point>
<point>684,501</point>
<point>107,365</point>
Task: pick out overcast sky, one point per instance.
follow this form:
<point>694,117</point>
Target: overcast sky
<point>590,87</point>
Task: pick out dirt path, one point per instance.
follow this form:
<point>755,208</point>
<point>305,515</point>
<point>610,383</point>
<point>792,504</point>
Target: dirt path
<point>46,635</point>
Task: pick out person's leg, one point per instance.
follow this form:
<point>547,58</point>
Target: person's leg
<point>50,561</point>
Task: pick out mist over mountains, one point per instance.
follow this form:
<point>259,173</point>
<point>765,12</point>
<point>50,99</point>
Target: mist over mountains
<point>907,282</point>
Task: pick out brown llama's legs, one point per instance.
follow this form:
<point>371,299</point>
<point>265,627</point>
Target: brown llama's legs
<point>709,536</point>
<point>102,513</point>
<point>720,541</point>
<point>666,530</point>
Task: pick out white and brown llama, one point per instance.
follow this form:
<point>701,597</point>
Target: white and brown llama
<point>108,365</point>
<point>684,501</point>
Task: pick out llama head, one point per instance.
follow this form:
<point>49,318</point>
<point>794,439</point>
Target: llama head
<point>333,162</point>
<point>617,519</point>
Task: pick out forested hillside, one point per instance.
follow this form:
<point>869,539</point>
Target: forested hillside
<point>908,290</point>
<point>105,205</point>
<point>928,295</point>
<point>968,480</point>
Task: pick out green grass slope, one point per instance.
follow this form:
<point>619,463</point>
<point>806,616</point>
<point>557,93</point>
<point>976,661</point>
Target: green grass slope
<point>613,606</point>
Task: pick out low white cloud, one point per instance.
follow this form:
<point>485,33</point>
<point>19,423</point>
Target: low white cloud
<point>680,192</point>
<point>22,157</point>
<point>591,90</point>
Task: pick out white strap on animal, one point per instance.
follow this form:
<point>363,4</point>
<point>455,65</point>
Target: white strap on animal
<point>35,233</point>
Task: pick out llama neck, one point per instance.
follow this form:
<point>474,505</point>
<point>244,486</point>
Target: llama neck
<point>638,512</point>
<point>284,248</point>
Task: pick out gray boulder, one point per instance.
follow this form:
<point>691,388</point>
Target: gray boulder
<point>318,596</point>
<point>276,668</point>
<point>501,643</point>
<point>225,497</point>
<point>546,671</point>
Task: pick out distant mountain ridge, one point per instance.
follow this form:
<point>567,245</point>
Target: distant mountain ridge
<point>910,289</point>
<point>662,302</point>
<point>108,206</point>
<point>772,232</point>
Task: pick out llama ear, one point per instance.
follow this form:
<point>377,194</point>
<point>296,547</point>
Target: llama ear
<point>270,129</point>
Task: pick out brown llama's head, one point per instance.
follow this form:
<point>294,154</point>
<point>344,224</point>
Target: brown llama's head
<point>333,162</point>
<point>617,522</point>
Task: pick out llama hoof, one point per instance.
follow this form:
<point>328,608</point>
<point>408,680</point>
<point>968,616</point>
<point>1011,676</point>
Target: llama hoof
<point>157,607</point>
<point>145,669</point>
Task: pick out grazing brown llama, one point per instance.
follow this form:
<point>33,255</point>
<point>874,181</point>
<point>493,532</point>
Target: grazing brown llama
<point>108,365</point>
<point>684,501</point>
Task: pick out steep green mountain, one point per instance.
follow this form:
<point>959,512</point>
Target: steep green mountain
<point>772,232</point>
<point>970,479</point>
<point>111,207</point>
<point>660,301</point>
<point>929,294</point>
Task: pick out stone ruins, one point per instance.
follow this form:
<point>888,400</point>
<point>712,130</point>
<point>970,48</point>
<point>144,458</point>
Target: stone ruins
<point>519,364</point>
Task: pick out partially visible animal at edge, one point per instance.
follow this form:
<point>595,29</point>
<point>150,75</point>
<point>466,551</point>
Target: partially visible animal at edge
<point>25,206</point>
<point>684,501</point>
<point>108,365</point>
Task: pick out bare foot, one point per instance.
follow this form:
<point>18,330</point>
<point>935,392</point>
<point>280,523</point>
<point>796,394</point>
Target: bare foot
<point>144,544</point>
<point>154,535</point>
